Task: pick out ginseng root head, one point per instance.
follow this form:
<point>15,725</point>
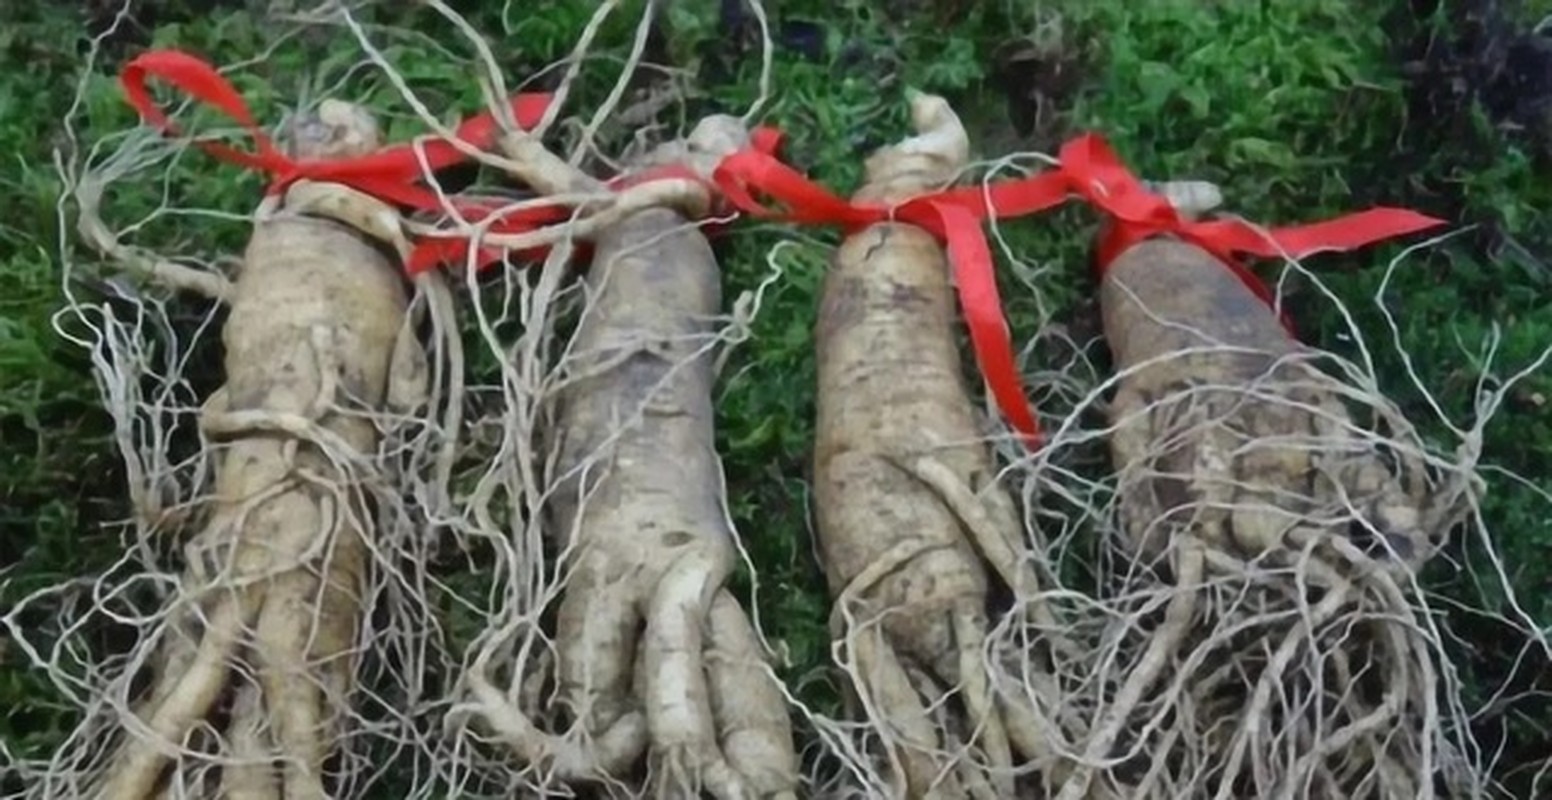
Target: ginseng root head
<point>713,139</point>
<point>337,129</point>
<point>931,159</point>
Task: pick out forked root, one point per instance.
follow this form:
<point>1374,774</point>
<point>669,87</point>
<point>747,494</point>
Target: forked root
<point>274,595</point>
<point>1162,645</point>
<point>1291,659</point>
<point>903,705</point>
<point>910,518</point>
<point>659,682</point>
<point>1267,693</point>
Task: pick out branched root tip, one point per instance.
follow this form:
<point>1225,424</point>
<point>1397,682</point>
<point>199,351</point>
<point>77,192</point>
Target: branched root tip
<point>571,761</point>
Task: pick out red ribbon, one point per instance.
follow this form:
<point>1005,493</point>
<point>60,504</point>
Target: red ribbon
<point>1136,214</point>
<point>435,250</point>
<point>1089,169</point>
<point>392,174</point>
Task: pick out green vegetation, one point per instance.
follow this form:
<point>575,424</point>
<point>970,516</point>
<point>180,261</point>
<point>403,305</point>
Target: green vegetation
<point>1298,109</point>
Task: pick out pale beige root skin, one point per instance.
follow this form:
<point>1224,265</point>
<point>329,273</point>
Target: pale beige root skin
<point>277,575</point>
<point>908,515</point>
<point>1236,456</point>
<point>1162,299</point>
<point>655,659</point>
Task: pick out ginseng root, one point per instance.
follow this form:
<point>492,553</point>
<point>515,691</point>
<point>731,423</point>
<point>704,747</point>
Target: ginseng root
<point>909,516</point>
<point>255,669</point>
<point>1284,529</point>
<point>657,665</point>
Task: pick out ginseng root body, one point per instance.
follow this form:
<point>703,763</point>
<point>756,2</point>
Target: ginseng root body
<point>908,513</point>
<point>272,601</point>
<point>655,658</point>
<point>1282,528</point>
<point>1222,404</point>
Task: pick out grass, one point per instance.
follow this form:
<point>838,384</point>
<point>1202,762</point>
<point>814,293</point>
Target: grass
<point>1299,109</point>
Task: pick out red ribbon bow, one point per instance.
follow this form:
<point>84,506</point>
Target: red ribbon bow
<point>1089,169</point>
<point>1096,174</point>
<point>392,174</point>
<point>436,250</point>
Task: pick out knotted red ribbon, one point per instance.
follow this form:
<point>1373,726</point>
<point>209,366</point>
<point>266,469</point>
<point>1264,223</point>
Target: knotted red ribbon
<point>1090,170</point>
<point>392,174</point>
<point>1136,214</point>
<point>435,250</point>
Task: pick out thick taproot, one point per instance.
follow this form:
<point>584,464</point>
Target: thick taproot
<point>644,410</point>
<point>1163,296</point>
<point>890,371</point>
<point>1222,416</point>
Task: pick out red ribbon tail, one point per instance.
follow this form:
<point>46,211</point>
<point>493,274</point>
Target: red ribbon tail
<point>199,80</point>
<point>971,261</point>
<point>1353,231</point>
<point>1348,232</point>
